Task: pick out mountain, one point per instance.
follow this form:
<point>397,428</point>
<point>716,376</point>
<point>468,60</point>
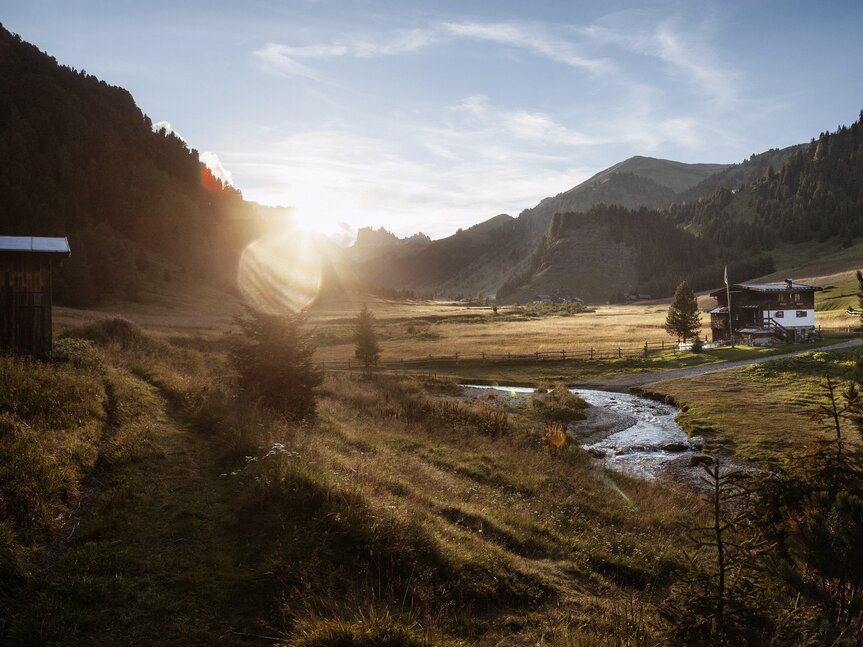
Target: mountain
<point>480,259</point>
<point>81,160</point>
<point>814,194</point>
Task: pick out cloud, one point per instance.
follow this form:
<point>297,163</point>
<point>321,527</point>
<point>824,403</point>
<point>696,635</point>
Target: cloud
<point>533,38</point>
<point>164,127</point>
<point>685,48</point>
<point>285,59</point>
<point>212,162</point>
<point>337,177</point>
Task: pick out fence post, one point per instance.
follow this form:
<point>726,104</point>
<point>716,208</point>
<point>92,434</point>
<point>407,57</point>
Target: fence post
<point>483,356</point>
<point>563,355</point>
<point>645,349</point>
<point>456,358</point>
<point>591,352</point>
<point>509,355</point>
<point>619,352</point>
<point>663,344</point>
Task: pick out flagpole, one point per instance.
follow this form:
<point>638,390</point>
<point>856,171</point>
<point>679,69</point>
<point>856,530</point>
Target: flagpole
<point>728,296</point>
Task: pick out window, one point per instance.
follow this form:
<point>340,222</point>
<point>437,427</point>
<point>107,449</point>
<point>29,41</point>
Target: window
<point>801,313</point>
<point>778,314</point>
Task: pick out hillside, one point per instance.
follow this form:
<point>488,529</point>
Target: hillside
<point>478,260</point>
<point>815,195</point>
<point>800,195</point>
<point>82,160</point>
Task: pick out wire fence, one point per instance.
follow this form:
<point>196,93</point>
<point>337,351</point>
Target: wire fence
<point>592,353</point>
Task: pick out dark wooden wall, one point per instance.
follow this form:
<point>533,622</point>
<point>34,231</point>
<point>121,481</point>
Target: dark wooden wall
<point>25,303</point>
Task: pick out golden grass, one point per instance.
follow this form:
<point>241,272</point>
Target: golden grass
<point>429,517</point>
<point>761,412</point>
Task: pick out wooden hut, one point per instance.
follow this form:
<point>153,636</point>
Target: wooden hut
<point>26,263</point>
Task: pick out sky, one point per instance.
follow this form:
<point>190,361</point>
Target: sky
<point>433,116</point>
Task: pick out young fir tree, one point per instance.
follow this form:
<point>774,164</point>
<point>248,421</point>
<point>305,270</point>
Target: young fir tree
<point>683,320</point>
<point>273,356</point>
<point>367,349</point>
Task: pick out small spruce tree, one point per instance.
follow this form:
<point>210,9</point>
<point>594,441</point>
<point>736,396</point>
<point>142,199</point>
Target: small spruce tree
<point>367,349</point>
<point>684,319</point>
<point>273,357</point>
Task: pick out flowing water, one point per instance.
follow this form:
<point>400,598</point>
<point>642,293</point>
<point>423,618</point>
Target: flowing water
<point>650,437</point>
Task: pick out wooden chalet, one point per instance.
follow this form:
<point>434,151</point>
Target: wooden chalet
<point>764,313</point>
<point>26,263</point>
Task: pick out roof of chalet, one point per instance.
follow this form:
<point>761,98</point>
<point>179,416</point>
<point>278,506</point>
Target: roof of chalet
<point>34,244</point>
<point>724,309</point>
<point>768,287</point>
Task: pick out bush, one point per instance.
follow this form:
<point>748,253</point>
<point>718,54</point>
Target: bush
<point>558,404</point>
<point>81,353</point>
<point>115,331</point>
<point>273,357</point>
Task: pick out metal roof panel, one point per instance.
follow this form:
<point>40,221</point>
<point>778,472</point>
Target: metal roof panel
<point>53,245</point>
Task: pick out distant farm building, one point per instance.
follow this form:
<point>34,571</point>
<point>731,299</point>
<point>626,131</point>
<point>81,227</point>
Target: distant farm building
<point>764,313</point>
<point>26,263</point>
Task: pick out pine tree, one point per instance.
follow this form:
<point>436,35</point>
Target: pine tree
<point>684,319</point>
<point>367,349</point>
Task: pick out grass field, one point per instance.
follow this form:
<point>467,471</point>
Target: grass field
<point>183,522</point>
<point>147,503</point>
<point>762,412</point>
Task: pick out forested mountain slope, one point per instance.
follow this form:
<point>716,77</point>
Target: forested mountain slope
<point>81,160</point>
<point>816,194</point>
<point>480,259</point>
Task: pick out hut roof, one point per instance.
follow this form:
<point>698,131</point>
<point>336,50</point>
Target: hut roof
<point>34,244</point>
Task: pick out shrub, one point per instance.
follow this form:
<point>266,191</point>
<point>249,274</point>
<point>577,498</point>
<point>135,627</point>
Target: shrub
<point>116,331</point>
<point>559,404</point>
<point>273,357</point>
<point>78,352</point>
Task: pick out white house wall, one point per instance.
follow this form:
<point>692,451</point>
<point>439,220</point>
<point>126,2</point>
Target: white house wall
<point>790,318</point>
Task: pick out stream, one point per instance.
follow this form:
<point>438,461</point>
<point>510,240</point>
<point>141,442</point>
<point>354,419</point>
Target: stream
<point>639,435</point>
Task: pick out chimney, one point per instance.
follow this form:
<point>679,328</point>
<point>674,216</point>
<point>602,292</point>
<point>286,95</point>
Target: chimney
<point>789,283</point>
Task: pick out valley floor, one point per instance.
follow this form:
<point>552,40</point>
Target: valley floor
<point>144,502</point>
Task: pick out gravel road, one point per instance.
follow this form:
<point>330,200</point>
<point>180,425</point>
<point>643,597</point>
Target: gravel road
<point>641,379</point>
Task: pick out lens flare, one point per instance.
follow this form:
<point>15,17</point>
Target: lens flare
<point>279,274</point>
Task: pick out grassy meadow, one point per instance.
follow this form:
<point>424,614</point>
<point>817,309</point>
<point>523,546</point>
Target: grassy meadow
<point>163,509</point>
<point>142,500</point>
<point>762,412</point>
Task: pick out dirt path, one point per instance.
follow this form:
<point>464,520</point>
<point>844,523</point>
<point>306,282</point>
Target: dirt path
<point>154,558</point>
<point>626,382</point>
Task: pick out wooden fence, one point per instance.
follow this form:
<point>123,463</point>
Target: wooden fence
<point>582,354</point>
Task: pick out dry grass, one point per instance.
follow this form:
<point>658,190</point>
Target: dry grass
<point>397,503</point>
<point>760,412</point>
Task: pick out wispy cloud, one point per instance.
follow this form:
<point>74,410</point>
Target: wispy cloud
<point>286,59</point>
<point>531,37</point>
<point>339,176</point>
<point>685,48</point>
